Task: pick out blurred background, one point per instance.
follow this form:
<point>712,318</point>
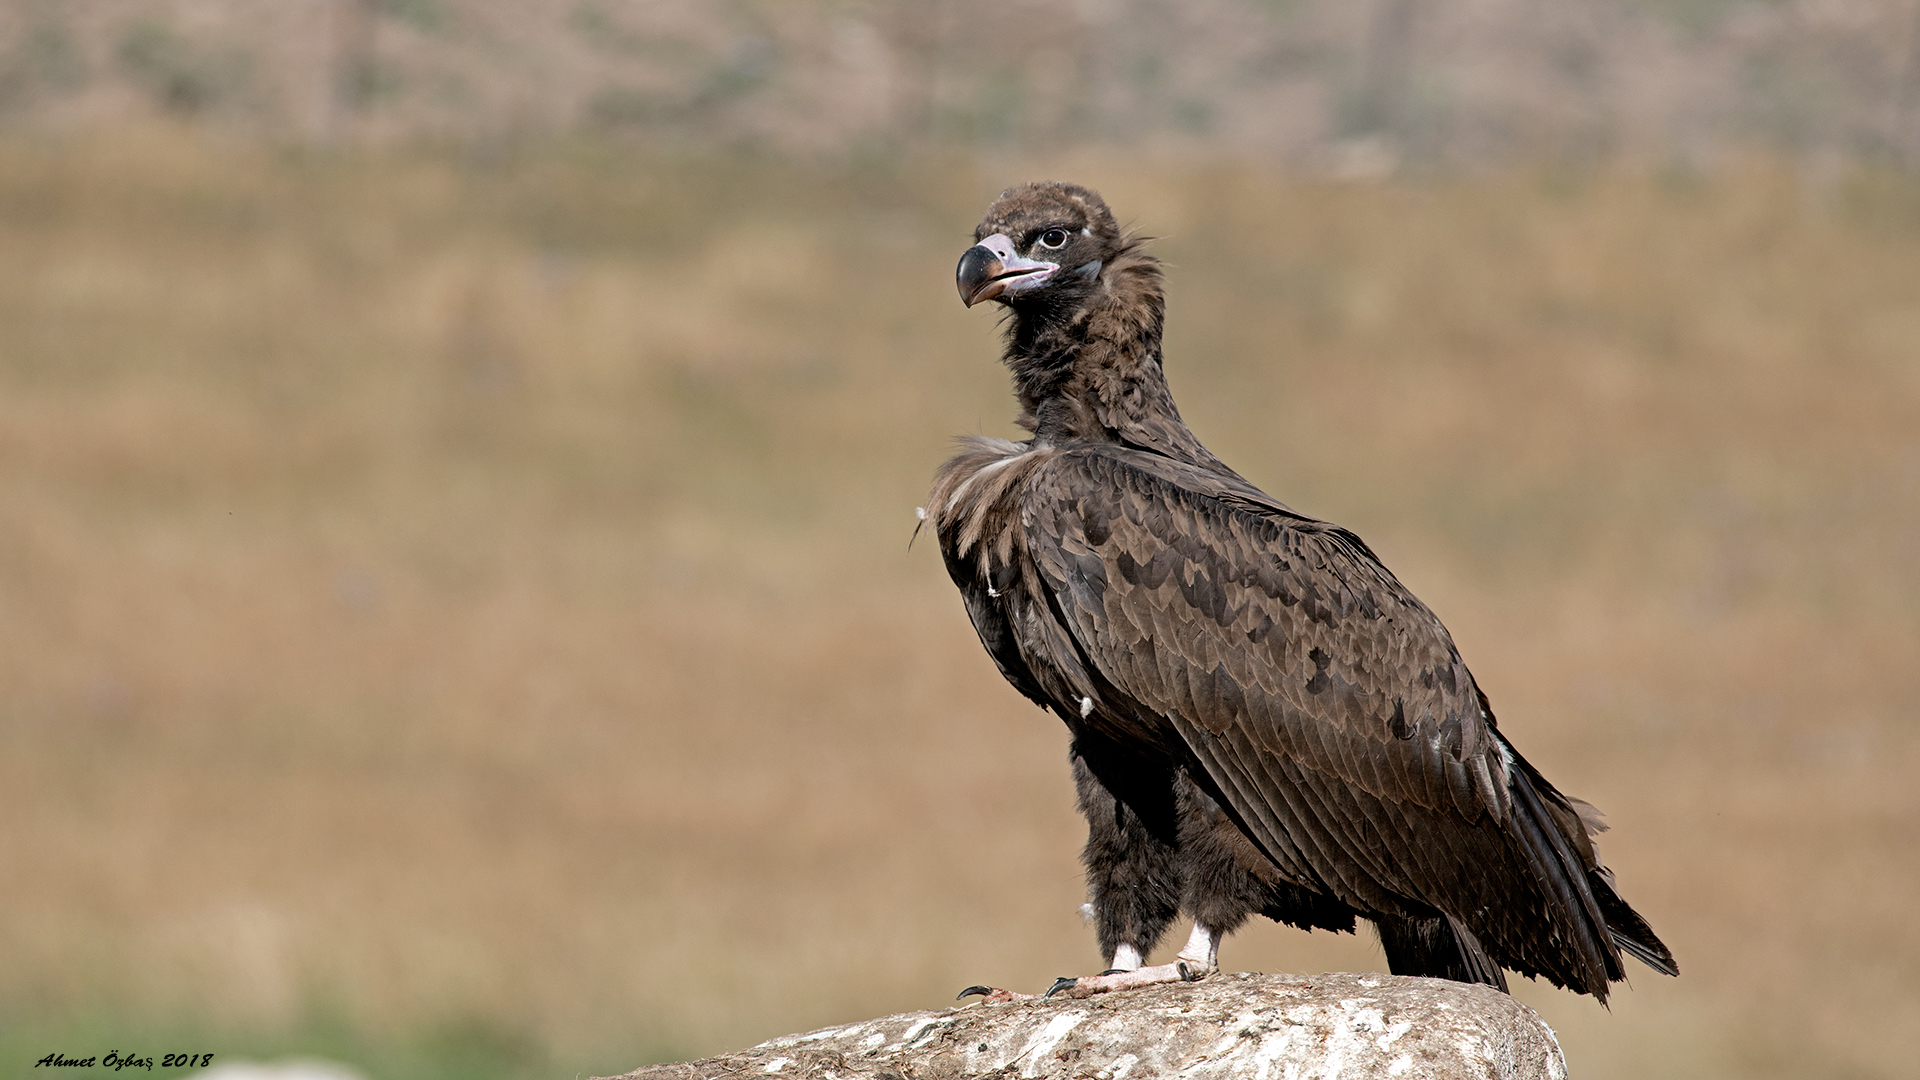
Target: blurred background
<point>457,461</point>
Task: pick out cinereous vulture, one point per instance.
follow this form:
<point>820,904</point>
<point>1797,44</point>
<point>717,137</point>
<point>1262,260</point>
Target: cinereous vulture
<point>1264,720</point>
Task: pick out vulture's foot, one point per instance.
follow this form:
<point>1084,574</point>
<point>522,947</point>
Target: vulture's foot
<point>993,995</point>
<point>1108,981</point>
<point>1195,962</point>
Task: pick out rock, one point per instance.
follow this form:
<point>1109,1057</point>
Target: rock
<point>1255,1026</point>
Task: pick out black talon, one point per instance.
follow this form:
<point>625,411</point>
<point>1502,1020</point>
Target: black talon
<point>1188,974</point>
<point>983,991</point>
<point>1064,982</point>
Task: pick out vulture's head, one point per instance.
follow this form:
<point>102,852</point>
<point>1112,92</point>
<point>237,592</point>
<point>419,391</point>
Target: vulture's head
<point>1040,244</point>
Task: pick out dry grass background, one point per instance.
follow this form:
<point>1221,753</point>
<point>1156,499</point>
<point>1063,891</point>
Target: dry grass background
<point>471,595</point>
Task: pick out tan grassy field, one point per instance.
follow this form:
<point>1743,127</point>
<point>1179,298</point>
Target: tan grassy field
<point>463,603</point>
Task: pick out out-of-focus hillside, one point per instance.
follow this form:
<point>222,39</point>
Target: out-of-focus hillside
<point>1348,86</point>
<point>456,611</point>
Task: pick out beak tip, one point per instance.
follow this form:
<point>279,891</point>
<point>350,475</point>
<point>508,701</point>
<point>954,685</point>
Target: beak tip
<point>975,275</point>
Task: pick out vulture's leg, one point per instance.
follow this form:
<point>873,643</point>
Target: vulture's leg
<point>1223,879</point>
<point>1132,857</point>
<point>1134,868</point>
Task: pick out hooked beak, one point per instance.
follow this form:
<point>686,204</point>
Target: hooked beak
<point>991,269</point>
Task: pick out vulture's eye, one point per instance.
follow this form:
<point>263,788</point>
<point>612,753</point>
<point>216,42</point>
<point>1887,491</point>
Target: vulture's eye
<point>1053,238</point>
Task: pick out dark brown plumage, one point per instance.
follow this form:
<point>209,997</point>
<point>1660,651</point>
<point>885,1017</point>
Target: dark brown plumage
<point>1264,719</point>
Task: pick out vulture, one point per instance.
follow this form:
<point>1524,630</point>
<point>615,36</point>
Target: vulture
<point>1264,720</point>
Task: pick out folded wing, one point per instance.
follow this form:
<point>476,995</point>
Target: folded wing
<point>1326,704</point>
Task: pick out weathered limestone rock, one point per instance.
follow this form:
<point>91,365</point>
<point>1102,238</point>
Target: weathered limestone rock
<point>1286,1027</point>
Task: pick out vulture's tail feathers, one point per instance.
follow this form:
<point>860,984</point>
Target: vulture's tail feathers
<point>1625,930</point>
<point>1439,948</point>
<point>1629,930</point>
<point>1474,955</point>
<point>1586,960</point>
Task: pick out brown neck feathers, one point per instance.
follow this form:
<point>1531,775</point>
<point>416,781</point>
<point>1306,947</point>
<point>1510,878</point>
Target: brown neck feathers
<point>1086,364</point>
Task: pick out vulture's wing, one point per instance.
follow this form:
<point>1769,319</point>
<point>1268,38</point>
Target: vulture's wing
<point>1327,704</point>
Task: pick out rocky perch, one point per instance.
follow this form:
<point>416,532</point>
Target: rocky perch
<point>1286,1027</point>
